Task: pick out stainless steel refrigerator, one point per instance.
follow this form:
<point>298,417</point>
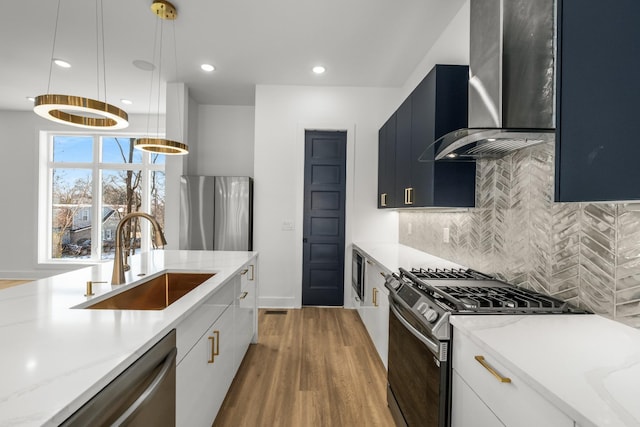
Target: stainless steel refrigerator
<point>216,213</point>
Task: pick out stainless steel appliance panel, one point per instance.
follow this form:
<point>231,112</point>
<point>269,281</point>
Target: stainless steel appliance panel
<point>232,207</point>
<point>419,373</point>
<point>216,213</point>
<point>357,274</point>
<point>196,212</point>
<point>143,395</point>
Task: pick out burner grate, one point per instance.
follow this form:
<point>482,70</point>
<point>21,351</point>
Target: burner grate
<point>448,273</point>
<point>500,298</point>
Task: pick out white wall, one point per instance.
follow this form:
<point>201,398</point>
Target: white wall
<point>19,174</point>
<point>282,114</point>
<point>225,143</point>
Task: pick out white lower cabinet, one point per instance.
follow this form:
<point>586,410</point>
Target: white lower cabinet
<point>211,343</point>
<point>494,393</point>
<point>467,409</point>
<point>374,311</point>
<point>205,374</point>
<point>245,313</point>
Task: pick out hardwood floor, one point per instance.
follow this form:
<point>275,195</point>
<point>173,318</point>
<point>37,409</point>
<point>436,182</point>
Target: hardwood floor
<point>311,367</point>
<point>9,283</point>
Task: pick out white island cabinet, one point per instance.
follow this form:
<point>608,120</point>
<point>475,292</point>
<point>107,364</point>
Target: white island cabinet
<point>218,335</point>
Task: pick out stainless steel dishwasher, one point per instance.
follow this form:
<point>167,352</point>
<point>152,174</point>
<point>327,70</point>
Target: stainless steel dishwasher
<point>143,395</point>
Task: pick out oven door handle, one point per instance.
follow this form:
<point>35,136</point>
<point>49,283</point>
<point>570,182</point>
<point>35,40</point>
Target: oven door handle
<point>431,345</point>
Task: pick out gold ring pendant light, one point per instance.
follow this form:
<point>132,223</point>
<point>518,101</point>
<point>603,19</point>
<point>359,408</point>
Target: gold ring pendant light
<point>75,110</point>
<point>165,11</point>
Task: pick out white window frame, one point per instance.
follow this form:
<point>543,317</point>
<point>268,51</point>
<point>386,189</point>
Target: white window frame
<point>45,205</point>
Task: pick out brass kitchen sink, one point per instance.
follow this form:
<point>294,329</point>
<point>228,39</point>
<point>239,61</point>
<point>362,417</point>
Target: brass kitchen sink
<point>157,293</point>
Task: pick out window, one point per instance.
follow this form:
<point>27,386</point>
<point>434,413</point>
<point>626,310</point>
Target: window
<point>91,182</point>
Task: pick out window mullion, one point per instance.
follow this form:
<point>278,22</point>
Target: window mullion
<point>96,231</point>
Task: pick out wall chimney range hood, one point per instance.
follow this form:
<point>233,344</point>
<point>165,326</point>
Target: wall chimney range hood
<point>511,81</point>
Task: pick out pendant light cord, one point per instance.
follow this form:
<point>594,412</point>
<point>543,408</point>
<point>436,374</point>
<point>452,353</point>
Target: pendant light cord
<point>175,60</point>
<point>53,48</point>
<point>104,55</point>
<point>159,80</point>
<point>153,60</point>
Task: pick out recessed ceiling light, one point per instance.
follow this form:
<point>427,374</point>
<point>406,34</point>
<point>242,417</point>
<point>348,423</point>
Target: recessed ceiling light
<point>61,63</point>
<point>319,69</point>
<point>126,101</point>
<point>207,67</point>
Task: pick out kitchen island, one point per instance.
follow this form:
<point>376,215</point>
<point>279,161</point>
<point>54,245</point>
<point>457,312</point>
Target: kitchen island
<point>56,356</point>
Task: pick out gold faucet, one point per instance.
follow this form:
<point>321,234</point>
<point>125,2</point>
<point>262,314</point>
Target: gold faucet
<point>117,278</point>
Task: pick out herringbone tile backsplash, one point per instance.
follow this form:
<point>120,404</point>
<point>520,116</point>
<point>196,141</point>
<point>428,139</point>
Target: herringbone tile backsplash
<point>587,253</point>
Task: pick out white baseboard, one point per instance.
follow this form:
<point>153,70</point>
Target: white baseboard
<point>277,302</point>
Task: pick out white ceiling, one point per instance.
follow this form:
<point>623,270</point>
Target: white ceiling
<point>374,43</point>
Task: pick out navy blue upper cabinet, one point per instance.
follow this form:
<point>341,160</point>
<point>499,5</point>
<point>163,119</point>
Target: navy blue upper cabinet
<point>598,101</point>
<point>438,105</point>
<point>387,164</point>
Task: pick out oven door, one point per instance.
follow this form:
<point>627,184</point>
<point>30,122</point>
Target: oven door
<point>419,374</point>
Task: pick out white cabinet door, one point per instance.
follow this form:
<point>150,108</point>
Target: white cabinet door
<point>205,374</point>
<point>380,322</point>
<point>467,409</point>
<point>245,313</point>
<point>193,327</point>
<point>508,396</point>
<point>376,310</point>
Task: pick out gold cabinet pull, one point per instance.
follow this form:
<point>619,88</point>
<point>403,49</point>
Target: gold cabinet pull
<point>245,271</point>
<point>493,372</point>
<point>215,346</point>
<point>369,262</point>
<point>382,274</point>
<point>253,272</point>
<point>408,196</point>
<point>383,199</point>
<point>375,297</point>
<point>243,295</point>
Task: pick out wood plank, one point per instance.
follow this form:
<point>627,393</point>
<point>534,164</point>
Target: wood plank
<point>312,367</point>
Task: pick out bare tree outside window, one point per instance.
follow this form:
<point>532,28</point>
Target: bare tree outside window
<point>130,182</point>
<point>69,196</point>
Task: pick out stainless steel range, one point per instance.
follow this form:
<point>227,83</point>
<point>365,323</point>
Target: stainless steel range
<point>421,303</point>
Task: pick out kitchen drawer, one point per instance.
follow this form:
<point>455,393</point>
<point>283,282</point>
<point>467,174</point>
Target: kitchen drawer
<point>514,403</point>
<point>196,324</point>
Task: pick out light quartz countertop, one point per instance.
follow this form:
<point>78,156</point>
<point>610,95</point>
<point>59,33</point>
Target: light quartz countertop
<point>586,365</point>
<point>55,357</point>
<point>392,256</point>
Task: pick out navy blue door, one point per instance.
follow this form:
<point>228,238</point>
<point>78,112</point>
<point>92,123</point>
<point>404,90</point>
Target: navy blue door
<point>323,228</point>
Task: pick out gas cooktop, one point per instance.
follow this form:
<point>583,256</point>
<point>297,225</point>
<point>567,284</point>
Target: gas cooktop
<point>463,291</point>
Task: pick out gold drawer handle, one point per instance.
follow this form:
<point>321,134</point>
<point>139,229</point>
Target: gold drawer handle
<point>215,346</point>
<point>375,297</point>
<point>245,271</point>
<point>243,295</point>
<point>383,199</point>
<point>484,363</point>
<point>383,275</point>
<point>408,196</point>
<point>252,277</point>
